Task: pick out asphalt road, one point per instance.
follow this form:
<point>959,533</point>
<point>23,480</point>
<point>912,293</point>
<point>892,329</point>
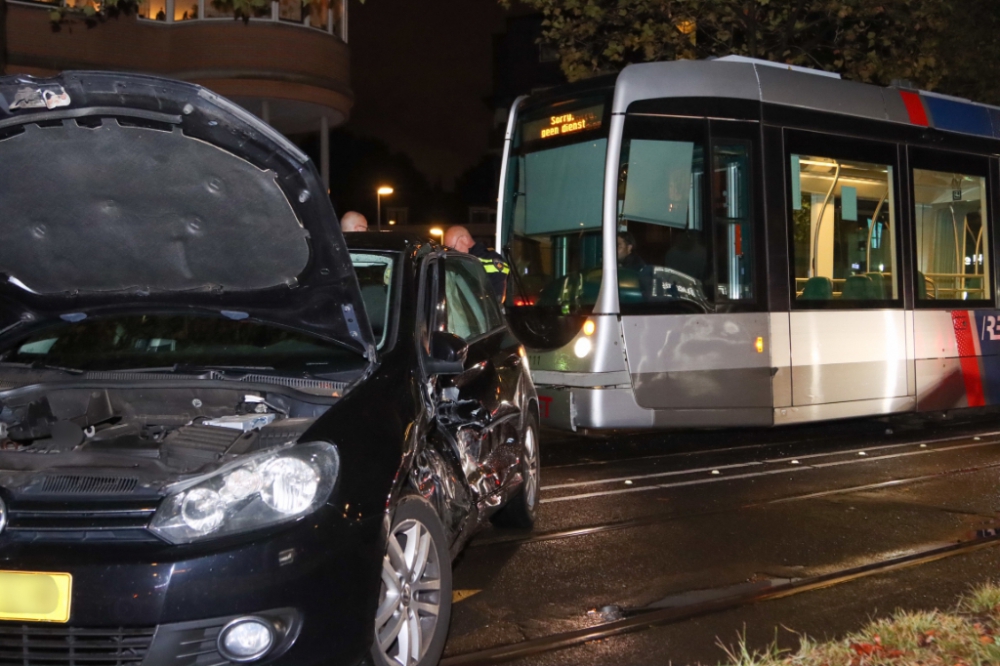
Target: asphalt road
<point>695,530</point>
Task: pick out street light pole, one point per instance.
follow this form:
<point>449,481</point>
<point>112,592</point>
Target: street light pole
<point>383,190</point>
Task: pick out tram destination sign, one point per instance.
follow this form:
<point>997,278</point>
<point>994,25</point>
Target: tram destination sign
<point>562,122</point>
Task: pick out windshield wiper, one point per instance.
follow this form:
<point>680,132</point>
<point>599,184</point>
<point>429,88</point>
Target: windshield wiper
<point>38,365</point>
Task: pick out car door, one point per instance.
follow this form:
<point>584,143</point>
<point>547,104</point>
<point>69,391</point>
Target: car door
<point>479,408</point>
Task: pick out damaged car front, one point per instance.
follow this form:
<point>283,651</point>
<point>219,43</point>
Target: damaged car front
<point>181,336</point>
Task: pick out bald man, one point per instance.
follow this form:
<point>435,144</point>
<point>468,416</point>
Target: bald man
<point>459,238</point>
<point>353,221</point>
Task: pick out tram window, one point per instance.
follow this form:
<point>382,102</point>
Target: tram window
<point>663,242</point>
<point>952,238</point>
<point>844,230</point>
<point>731,187</point>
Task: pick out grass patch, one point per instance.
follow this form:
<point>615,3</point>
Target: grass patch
<point>967,635</point>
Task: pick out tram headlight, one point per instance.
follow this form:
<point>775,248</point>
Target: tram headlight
<point>589,327</point>
<point>583,347</point>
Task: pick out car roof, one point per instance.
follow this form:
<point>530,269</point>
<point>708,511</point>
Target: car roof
<point>399,241</point>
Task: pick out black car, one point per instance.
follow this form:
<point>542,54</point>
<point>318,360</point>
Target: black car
<point>226,434</point>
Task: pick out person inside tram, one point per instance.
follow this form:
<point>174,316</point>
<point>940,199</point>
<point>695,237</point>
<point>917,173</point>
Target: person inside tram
<point>627,256</point>
<point>688,255</point>
<point>353,221</point>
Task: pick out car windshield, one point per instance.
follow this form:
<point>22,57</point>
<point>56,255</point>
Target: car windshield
<point>166,340</point>
<point>375,272</point>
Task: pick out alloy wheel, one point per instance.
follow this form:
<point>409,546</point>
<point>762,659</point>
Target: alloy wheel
<point>410,600</point>
<point>531,468</point>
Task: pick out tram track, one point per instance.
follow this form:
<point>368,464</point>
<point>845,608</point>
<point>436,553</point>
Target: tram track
<point>642,619</point>
<point>655,519</point>
<point>658,518</point>
<point>711,450</point>
<point>787,463</point>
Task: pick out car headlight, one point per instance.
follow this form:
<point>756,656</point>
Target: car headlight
<point>271,487</point>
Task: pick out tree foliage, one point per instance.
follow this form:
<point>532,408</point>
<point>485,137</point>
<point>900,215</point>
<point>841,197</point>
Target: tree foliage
<point>865,40</point>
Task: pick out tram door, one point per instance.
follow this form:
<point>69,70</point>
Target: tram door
<point>686,270</point>
<point>851,347</point>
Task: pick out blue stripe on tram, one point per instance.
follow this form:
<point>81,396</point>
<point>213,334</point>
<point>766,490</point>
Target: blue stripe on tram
<point>948,114</point>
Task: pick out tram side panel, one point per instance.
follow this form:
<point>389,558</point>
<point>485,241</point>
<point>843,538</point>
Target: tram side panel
<point>847,363</point>
<point>958,358</point>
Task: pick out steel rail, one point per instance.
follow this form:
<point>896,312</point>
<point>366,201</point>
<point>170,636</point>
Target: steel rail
<point>718,478</point>
<point>646,521</point>
<point>644,619</point>
<point>750,447</point>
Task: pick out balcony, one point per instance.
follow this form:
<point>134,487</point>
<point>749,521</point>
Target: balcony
<point>290,65</point>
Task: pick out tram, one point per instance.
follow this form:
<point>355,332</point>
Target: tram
<point>735,242</point>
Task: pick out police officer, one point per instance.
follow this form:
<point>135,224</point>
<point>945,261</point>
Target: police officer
<point>459,238</point>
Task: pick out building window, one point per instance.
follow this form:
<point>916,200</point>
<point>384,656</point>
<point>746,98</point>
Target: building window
<point>155,10</point>
<point>952,236</point>
<point>482,215</point>
<point>843,230</point>
<point>396,215</point>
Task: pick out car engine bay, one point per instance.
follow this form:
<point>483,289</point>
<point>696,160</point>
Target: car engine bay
<point>162,434</point>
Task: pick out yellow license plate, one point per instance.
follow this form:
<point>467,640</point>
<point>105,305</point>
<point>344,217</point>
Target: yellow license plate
<point>31,596</point>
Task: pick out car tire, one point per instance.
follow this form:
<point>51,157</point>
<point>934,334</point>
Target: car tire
<point>520,510</point>
<point>414,606</point>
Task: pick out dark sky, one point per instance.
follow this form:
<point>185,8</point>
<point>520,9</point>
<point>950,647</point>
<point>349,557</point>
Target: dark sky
<point>420,72</point>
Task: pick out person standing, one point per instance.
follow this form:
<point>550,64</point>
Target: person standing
<point>458,238</point>
<point>353,221</point>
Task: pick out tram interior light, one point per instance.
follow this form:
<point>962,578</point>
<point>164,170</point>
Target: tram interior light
<point>589,327</point>
<point>436,231</point>
<point>759,345</point>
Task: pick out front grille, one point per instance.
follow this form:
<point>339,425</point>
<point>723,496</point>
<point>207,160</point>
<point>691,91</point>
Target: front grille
<point>80,521</point>
<point>197,647</point>
<point>89,485</point>
<point>72,646</point>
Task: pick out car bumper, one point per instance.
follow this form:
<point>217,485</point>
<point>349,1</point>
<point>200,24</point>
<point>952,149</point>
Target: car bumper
<point>166,605</point>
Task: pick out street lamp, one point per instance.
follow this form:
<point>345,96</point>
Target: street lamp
<point>384,190</point>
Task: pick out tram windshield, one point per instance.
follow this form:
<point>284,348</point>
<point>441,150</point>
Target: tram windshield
<point>552,218</point>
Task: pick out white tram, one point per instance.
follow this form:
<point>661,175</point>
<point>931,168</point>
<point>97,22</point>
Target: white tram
<point>734,242</point>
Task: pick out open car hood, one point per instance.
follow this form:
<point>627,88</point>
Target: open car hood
<point>120,191</point>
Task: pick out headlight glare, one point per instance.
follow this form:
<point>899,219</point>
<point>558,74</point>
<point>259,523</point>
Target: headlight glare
<point>265,489</point>
<point>203,510</point>
<point>240,483</point>
<point>289,485</point>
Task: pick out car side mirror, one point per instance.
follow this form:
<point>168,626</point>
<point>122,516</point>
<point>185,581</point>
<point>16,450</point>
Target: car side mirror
<point>448,354</point>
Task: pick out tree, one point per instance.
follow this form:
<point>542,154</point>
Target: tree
<point>865,40</point>
<point>971,51</point>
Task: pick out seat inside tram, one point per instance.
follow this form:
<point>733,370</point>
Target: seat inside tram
<point>952,248</point>
<point>844,227</point>
<point>844,230</point>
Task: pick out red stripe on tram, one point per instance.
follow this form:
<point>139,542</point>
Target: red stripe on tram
<point>967,358</point>
<point>915,108</point>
